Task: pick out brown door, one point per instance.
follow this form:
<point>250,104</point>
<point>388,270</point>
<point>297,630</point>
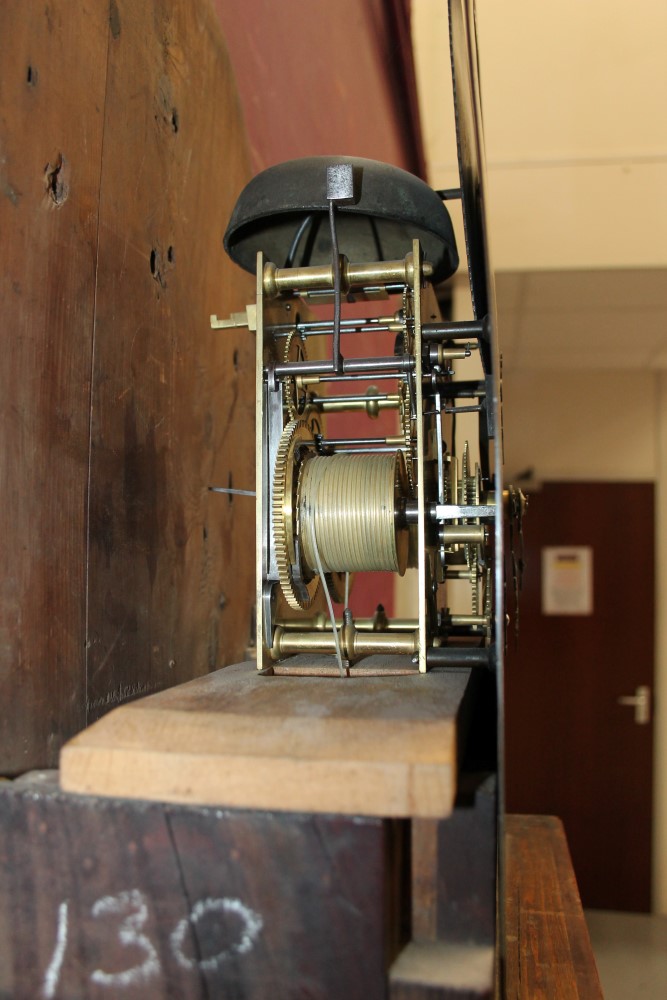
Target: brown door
<point>573,748</point>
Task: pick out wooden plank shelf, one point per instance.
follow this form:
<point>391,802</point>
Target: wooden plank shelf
<point>359,745</point>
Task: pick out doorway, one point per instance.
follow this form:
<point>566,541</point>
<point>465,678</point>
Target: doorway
<point>579,732</point>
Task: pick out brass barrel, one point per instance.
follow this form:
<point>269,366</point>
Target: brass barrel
<point>320,277</point>
<point>347,512</point>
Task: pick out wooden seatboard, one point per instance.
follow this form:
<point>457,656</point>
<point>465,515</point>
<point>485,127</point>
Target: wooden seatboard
<point>359,745</point>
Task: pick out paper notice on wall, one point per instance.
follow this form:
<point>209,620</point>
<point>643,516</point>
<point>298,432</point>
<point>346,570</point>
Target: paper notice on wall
<point>567,580</point>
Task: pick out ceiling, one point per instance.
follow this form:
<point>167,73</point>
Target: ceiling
<point>601,319</point>
<point>576,142</point>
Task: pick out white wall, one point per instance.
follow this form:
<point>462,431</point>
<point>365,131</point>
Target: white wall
<point>581,425</point>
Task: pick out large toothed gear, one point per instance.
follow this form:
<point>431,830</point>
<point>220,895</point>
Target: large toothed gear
<point>299,594</point>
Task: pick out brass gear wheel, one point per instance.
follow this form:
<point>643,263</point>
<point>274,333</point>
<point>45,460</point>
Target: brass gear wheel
<point>405,391</point>
<point>295,350</point>
<point>405,411</point>
<point>488,598</point>
<point>298,593</point>
<point>469,489</point>
<point>464,482</point>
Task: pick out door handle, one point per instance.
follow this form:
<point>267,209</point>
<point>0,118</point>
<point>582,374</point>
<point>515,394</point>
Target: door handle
<point>641,702</point>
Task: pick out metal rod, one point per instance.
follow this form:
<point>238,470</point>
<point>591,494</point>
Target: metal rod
<point>463,389</point>
<point>449,512</point>
<point>322,623</point>
<point>227,489</point>
<point>350,377</point>
<point>446,512</point>
<point>352,322</point>
<point>458,573</point>
<point>336,266</point>
<point>338,442</point>
<point>449,194</point>
<point>342,404</point>
<point>459,656</point>
<point>381,397</point>
<point>392,442</point>
<point>318,328</point>
<point>404,363</point>
<point>378,450</point>
<point>324,294</point>
<point>474,620</point>
<point>464,330</point>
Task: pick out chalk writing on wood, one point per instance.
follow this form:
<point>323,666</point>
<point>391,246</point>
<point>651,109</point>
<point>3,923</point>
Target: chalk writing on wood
<point>251,925</point>
<point>130,909</point>
<point>131,906</point>
<point>53,972</point>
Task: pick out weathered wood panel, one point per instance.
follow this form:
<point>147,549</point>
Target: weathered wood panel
<point>171,581</point>
<point>548,948</point>
<point>52,86</point>
<point>121,154</point>
<point>105,898</point>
